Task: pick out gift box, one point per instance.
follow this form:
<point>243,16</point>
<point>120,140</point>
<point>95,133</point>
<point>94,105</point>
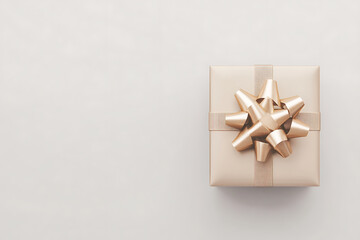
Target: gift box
<point>264,125</point>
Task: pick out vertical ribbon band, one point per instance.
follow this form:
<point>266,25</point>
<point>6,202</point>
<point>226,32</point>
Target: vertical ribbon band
<point>263,171</point>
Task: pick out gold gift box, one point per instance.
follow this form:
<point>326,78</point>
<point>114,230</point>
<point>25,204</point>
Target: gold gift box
<point>229,167</point>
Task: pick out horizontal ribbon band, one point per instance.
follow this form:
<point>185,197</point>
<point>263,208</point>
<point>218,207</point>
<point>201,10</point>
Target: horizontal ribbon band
<point>217,121</point>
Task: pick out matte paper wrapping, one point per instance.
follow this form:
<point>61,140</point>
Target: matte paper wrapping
<point>228,167</point>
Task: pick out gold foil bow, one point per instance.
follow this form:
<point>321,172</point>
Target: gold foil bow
<point>266,121</point>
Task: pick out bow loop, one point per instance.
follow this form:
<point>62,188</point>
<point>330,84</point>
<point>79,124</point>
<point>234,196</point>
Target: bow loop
<point>270,90</point>
<point>295,128</point>
<point>293,105</point>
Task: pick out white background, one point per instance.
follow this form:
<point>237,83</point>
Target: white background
<point>103,118</point>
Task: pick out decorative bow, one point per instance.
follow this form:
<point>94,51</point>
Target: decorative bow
<point>266,121</point>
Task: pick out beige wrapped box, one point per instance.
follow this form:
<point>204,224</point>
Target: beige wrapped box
<point>228,167</point>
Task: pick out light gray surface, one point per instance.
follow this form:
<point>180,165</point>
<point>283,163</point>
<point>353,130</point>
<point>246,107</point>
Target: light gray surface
<point>103,118</point>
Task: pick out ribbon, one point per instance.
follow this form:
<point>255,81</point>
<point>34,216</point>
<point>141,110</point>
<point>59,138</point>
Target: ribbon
<point>266,121</point>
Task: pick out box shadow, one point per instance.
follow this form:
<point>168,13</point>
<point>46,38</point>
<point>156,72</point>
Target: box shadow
<point>274,197</point>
